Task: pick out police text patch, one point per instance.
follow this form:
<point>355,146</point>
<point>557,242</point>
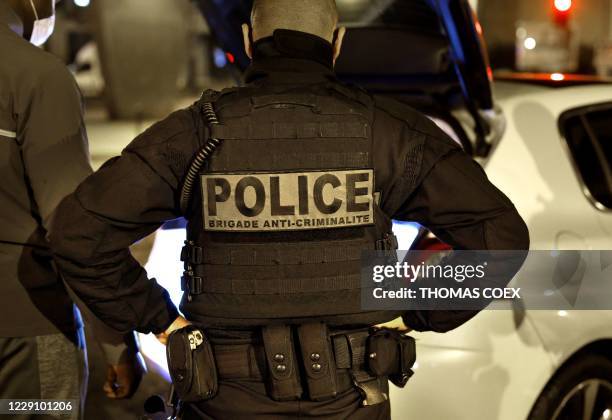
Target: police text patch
<point>258,202</point>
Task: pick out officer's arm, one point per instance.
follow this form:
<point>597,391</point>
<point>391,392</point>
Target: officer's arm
<point>454,199</point>
<point>126,200</point>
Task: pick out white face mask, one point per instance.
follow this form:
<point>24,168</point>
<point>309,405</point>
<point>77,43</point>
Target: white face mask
<point>43,28</point>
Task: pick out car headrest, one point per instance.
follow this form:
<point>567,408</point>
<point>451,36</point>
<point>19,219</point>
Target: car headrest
<point>384,51</point>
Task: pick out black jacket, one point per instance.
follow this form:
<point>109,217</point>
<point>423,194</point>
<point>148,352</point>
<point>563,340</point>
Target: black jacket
<point>422,175</point>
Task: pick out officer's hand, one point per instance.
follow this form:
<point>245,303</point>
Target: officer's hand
<point>122,380</point>
<point>396,324</point>
<point>178,323</point>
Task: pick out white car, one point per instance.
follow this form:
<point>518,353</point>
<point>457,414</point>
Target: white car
<point>534,364</point>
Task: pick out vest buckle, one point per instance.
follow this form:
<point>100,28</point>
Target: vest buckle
<point>191,284</point>
<point>195,285</point>
<point>192,254</point>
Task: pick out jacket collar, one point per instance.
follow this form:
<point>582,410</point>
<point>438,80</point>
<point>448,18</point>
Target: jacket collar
<point>291,56</point>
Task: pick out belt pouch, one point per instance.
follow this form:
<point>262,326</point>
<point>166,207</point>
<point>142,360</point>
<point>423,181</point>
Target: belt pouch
<point>318,361</point>
<point>392,354</point>
<point>283,376</point>
<point>191,365</point>
<point>373,388</point>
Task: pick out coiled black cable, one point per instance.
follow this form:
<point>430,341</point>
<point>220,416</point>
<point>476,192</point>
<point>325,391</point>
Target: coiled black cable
<point>200,158</point>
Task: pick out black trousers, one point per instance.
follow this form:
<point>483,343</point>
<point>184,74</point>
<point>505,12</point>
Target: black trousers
<point>245,399</point>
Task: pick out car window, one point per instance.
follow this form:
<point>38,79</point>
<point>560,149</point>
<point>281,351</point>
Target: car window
<point>588,133</point>
<point>416,14</point>
<point>413,34</point>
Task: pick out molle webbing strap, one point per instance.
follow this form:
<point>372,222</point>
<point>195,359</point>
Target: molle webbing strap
<point>281,286</point>
<point>276,160</point>
<point>290,253</point>
<point>247,273</point>
<point>277,130</point>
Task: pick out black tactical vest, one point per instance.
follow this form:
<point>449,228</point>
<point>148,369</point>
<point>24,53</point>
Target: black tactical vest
<point>283,209</point>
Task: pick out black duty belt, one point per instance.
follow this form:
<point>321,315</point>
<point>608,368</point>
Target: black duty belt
<point>247,361</point>
<point>296,362</point>
<point>346,364</point>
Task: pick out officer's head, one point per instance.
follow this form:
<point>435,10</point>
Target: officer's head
<point>37,18</point>
<point>317,17</point>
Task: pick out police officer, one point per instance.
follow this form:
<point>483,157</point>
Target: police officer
<point>43,147</point>
<point>284,182</point>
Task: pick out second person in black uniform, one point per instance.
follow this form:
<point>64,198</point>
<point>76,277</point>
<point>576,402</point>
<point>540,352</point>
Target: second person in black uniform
<point>306,174</point>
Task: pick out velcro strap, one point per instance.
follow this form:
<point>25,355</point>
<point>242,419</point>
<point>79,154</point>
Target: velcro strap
<point>279,130</point>
<point>281,286</point>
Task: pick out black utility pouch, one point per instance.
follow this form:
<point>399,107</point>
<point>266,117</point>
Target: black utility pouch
<point>392,354</point>
<point>283,379</point>
<point>192,365</point>
<point>318,361</point>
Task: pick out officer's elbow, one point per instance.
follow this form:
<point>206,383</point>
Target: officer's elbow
<point>522,237</point>
<point>508,232</point>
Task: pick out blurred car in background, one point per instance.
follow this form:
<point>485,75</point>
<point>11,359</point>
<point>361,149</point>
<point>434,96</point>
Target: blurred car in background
<point>88,70</point>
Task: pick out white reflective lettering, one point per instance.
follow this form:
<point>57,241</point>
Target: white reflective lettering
<point>288,201</point>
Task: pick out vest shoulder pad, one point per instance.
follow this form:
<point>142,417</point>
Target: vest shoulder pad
<point>415,120</point>
<point>354,92</point>
<point>396,109</point>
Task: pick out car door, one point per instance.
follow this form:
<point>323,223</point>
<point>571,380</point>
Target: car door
<point>587,135</point>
